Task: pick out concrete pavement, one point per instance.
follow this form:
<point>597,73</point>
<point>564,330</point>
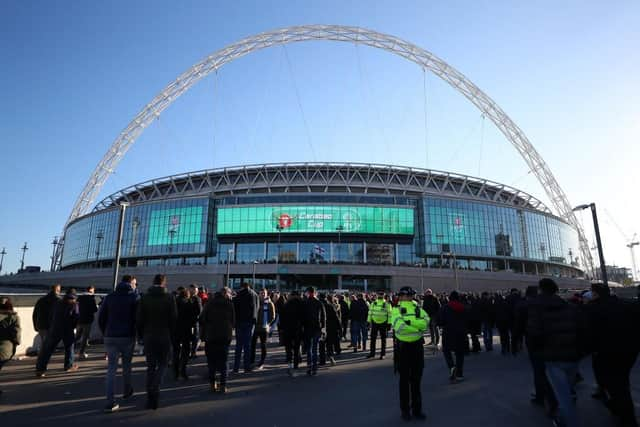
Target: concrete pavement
<point>355,393</point>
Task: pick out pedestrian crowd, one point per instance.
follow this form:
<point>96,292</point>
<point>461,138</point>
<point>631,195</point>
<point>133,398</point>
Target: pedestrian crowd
<point>556,332</point>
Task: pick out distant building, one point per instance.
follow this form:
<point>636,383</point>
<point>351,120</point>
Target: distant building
<point>619,274</point>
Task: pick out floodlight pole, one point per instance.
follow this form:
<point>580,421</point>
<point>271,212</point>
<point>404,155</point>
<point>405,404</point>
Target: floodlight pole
<point>2,254</point>
<point>603,267</point>
<point>116,263</point>
<point>23,249</point>
<point>53,254</point>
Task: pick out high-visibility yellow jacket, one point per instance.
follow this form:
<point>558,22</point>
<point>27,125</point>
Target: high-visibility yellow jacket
<point>379,312</point>
<point>409,321</point>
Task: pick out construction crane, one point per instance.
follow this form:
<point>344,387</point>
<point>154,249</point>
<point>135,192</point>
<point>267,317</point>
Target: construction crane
<point>632,242</point>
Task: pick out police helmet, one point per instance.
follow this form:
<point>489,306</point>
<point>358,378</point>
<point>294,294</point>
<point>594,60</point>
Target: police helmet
<point>406,291</point>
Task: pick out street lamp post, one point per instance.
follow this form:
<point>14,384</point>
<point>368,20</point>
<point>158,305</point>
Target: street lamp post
<point>99,238</point>
<point>253,274</point>
<point>339,229</point>
<point>603,267</point>
<point>229,252</point>
<point>543,249</point>
<point>172,233</point>
<point>135,224</point>
<point>116,263</point>
<point>279,228</point>
<point>455,268</point>
<point>2,254</point>
<point>24,249</point>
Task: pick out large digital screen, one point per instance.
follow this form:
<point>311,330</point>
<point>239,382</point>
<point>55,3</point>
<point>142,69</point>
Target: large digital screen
<point>451,226</point>
<point>175,226</point>
<point>315,219</point>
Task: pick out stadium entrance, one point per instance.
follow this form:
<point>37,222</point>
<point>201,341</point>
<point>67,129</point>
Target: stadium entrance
<point>322,282</point>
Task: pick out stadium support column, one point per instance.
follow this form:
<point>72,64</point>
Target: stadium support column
<point>116,262</point>
<point>340,281</point>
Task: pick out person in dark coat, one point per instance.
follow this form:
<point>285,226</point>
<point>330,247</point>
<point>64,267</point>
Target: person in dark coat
<point>359,312</point>
<point>431,305</point>
<point>246,305</point>
<point>514,298</point>
<point>10,332</point>
<point>87,308</point>
<point>557,328</point>
<point>279,304</point>
<point>488,318</point>
<point>291,320</point>
<point>264,322</point>
<point>188,312</point>
<point>65,319</point>
<point>615,345</point>
<point>43,313</point>
<point>216,327</point>
<point>314,328</point>
<point>344,315</point>
<point>328,344</point>
<point>117,322</point>
<point>196,306</point>
<point>474,322</point>
<point>504,323</point>
<point>543,391</point>
<point>156,323</point>
<point>452,320</point>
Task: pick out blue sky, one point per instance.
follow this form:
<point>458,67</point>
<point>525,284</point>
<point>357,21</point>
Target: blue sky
<point>75,73</point>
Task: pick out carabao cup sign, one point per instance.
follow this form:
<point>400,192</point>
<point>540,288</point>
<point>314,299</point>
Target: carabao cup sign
<point>315,219</point>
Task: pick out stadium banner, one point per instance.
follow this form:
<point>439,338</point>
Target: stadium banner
<point>315,219</point>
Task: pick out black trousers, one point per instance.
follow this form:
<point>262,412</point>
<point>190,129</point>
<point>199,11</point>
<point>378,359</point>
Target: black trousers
<point>459,362</point>
<point>543,388</point>
<point>262,335</point>
<point>434,332</point>
<point>217,356</point>
<point>410,367</point>
<point>614,373</point>
<point>475,342</point>
<point>292,349</point>
<point>156,351</point>
<point>181,352</point>
<point>334,342</point>
<point>505,339</point>
<point>378,328</point>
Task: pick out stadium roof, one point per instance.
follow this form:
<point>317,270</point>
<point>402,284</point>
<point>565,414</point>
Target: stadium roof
<point>356,178</point>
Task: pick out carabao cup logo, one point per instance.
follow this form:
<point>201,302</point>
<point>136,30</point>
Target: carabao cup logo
<point>285,221</point>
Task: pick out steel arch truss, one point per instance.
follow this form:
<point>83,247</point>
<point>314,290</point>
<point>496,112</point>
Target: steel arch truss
<point>362,36</point>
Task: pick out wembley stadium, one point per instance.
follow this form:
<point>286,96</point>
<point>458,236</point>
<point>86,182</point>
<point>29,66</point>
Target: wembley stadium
<point>336,226</point>
<point>332,225</point>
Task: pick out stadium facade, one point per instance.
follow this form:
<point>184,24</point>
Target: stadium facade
<point>333,225</point>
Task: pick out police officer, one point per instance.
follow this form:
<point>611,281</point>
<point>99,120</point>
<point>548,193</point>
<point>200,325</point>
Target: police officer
<point>379,317</point>
<point>409,323</point>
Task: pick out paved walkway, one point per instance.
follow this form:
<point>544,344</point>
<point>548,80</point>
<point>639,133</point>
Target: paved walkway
<point>355,393</point>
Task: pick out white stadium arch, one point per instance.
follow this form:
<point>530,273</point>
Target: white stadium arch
<point>362,36</point>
